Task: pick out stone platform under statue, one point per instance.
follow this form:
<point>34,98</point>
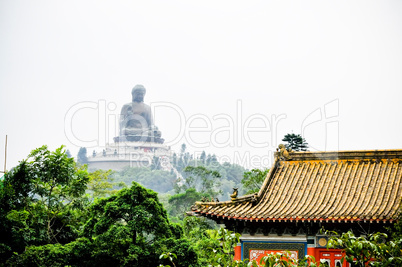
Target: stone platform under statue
<point>117,156</point>
<point>150,137</point>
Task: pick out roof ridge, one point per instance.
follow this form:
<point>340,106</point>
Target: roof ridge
<point>345,154</point>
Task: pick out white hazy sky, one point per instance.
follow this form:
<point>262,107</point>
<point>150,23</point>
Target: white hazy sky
<point>229,77</point>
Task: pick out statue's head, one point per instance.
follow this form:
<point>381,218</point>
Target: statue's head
<point>138,93</point>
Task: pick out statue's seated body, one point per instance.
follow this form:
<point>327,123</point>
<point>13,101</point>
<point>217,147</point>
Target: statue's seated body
<point>136,123</point>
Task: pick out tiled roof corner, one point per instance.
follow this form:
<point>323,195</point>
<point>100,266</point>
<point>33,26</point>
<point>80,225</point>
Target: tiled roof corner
<point>364,185</point>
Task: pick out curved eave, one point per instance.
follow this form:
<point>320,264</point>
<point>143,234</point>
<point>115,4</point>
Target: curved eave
<point>329,220</point>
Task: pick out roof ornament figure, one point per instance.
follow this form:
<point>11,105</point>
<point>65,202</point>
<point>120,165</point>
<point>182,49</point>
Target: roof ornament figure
<point>254,198</point>
<point>283,153</point>
<point>233,196</point>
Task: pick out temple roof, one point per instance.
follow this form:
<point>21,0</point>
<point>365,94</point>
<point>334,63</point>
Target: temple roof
<point>336,186</point>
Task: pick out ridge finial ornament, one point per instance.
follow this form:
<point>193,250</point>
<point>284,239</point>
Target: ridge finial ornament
<point>255,197</point>
<point>283,153</point>
<point>233,196</point>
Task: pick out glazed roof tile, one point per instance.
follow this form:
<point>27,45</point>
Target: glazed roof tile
<point>334,186</point>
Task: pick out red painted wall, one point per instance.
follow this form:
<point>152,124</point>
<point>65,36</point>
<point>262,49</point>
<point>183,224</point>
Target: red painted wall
<point>332,255</point>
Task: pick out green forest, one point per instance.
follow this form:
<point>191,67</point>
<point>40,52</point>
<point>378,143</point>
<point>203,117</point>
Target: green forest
<point>54,212</point>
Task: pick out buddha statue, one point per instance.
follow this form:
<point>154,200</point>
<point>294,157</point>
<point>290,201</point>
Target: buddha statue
<point>136,122</point>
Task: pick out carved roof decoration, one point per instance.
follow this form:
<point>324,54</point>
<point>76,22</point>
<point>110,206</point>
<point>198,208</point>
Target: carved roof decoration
<point>338,186</point>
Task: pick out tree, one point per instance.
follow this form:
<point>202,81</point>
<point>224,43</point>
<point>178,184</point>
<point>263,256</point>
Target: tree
<point>295,142</point>
<point>396,229</point>
<point>183,148</point>
<point>208,160</point>
<point>82,156</point>
<point>101,183</point>
<point>233,172</point>
<point>373,250</point>
<point>252,180</point>
<point>183,160</point>
<point>203,157</point>
<point>203,180</point>
<point>130,228</point>
<point>181,203</point>
<point>222,255</point>
<point>194,227</point>
<point>42,201</point>
<point>215,247</point>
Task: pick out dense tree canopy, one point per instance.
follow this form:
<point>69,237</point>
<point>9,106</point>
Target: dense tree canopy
<point>252,180</point>
<point>374,250</point>
<point>203,180</point>
<point>181,203</point>
<point>101,184</point>
<point>47,219</point>
<point>41,201</point>
<point>132,228</point>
